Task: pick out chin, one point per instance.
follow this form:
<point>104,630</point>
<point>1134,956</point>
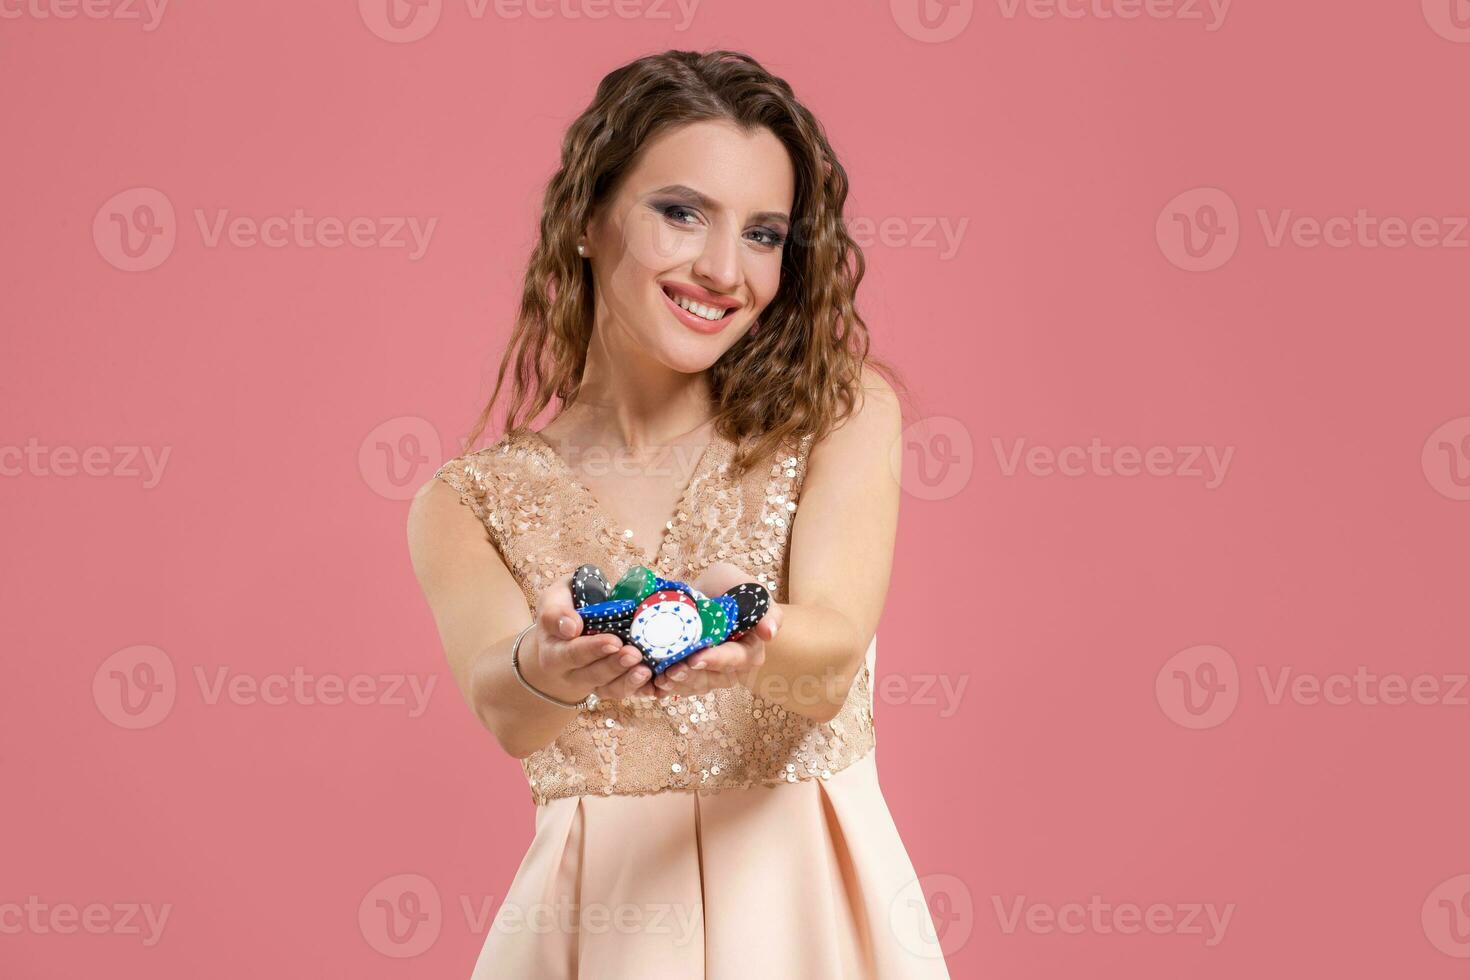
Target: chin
<point>686,352</point>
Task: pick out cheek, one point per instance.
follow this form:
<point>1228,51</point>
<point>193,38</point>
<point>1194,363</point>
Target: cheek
<point>650,245</point>
<point>763,276</point>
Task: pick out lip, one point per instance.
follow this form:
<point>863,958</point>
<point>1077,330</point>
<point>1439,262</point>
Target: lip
<point>698,323</point>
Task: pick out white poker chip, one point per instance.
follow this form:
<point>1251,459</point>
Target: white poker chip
<point>665,624</point>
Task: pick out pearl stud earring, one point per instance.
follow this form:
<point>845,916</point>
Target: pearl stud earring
<point>582,250</point>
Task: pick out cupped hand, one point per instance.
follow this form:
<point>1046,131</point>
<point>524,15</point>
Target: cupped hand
<point>568,664</point>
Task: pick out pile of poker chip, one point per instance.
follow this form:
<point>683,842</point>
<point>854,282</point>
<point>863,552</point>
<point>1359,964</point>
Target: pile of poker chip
<point>666,620</point>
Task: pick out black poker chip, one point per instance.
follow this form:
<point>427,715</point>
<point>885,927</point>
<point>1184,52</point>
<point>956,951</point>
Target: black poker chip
<point>589,586</point>
<point>752,602</point>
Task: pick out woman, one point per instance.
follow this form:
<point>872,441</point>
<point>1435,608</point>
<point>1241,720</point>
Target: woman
<point>691,291</point>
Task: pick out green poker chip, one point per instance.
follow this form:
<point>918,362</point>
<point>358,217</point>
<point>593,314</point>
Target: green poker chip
<point>637,583</point>
<point>712,615</point>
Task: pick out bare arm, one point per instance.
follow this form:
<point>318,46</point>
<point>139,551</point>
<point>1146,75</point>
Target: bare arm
<point>841,557</point>
<point>479,609</point>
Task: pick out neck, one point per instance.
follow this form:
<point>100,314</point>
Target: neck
<point>630,400</point>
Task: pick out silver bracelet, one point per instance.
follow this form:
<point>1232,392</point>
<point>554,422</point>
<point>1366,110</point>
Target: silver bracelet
<point>590,701</point>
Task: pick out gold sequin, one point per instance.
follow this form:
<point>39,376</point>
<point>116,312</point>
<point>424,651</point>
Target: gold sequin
<point>544,527</point>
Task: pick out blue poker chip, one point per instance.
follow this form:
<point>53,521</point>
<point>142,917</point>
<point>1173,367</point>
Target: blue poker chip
<point>664,584</point>
<point>612,608</point>
<point>732,610</point>
<point>659,666</point>
<point>665,624</point>
<point>614,616</point>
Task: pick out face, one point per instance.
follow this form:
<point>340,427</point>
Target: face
<point>687,253</point>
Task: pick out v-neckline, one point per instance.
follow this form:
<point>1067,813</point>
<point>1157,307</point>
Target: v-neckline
<point>707,459</point>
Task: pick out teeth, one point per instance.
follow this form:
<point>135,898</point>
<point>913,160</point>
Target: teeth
<point>698,309</point>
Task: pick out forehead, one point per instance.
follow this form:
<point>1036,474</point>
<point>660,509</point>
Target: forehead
<point>742,170</point>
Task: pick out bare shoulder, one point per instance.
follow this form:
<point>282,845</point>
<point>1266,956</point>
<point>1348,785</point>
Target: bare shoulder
<point>868,433</point>
<point>445,521</point>
<point>436,506</point>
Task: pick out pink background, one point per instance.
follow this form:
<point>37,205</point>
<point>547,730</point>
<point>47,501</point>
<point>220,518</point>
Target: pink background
<point>1077,762</point>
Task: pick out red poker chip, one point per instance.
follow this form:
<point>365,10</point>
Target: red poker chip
<point>665,623</point>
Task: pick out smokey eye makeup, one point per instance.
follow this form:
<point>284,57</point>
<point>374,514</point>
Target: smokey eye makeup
<point>685,215</point>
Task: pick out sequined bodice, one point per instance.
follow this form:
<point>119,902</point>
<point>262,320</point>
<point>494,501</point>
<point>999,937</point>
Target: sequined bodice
<point>545,523</point>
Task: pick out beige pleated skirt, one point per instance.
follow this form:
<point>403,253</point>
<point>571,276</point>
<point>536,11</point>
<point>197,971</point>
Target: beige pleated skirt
<point>801,881</point>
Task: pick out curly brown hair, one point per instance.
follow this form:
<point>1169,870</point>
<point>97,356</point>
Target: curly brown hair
<point>801,372</point>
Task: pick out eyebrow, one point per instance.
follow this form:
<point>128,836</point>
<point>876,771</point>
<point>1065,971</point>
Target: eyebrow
<point>709,204</point>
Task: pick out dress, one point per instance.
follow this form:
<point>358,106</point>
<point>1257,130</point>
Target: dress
<point>718,836</point>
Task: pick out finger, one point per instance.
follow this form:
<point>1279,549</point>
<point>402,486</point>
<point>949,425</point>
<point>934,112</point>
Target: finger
<point>679,679</point>
<point>729,656</point>
<point>699,682</point>
<point>627,684</point>
<point>773,619</point>
<point>607,667</point>
<point>558,615</point>
<point>569,656</point>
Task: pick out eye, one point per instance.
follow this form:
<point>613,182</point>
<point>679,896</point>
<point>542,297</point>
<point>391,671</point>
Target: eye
<point>677,212</point>
<point>769,238</point>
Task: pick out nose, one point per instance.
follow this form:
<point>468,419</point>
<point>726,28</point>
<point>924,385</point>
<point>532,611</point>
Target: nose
<point>718,265</point>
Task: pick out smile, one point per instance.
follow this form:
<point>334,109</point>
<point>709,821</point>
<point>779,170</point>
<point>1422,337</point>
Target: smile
<point>705,317</point>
